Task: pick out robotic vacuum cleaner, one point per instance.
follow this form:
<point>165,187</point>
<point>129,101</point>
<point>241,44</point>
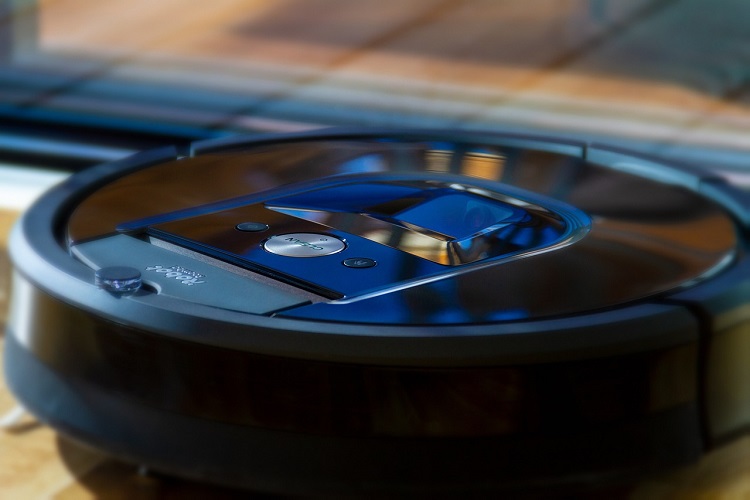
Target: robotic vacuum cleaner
<point>385,313</point>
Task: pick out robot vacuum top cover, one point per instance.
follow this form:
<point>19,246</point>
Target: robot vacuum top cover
<point>461,256</point>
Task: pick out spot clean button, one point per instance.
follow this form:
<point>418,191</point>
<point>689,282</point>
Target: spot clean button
<point>304,245</point>
<point>359,263</point>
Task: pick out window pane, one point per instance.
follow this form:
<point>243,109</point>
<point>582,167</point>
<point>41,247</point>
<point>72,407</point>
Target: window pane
<point>665,76</point>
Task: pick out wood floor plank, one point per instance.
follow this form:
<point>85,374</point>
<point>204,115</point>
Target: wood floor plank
<point>672,73</point>
<point>646,69</point>
<point>7,218</point>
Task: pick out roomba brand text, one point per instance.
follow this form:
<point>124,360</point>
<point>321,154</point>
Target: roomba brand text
<point>184,276</point>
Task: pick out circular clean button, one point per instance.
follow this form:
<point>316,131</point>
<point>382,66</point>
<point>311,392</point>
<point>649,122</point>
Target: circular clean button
<point>304,245</point>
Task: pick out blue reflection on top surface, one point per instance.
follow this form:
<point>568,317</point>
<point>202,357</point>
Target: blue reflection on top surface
<point>445,211</point>
<point>419,230</point>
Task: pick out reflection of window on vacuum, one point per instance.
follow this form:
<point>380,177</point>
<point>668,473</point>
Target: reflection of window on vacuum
<point>446,223</point>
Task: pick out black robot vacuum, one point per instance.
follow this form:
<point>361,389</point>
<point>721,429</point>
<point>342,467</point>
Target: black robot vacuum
<point>375,313</point>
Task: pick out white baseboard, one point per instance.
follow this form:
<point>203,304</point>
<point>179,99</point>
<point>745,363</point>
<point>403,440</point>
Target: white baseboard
<point>20,186</point>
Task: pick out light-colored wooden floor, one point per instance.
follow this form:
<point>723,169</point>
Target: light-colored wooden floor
<point>668,71</point>
<point>36,463</point>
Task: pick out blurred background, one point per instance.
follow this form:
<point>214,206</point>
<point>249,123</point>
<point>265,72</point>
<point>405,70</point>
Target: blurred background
<point>668,76</point>
<point>87,81</point>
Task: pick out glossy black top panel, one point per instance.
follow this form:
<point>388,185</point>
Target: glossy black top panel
<point>411,229</point>
<point>459,227</point>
